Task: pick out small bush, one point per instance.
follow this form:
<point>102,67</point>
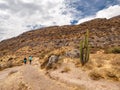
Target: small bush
<point>112,76</point>
<point>66,69</point>
<point>115,62</point>
<point>22,86</point>
<point>114,50</point>
<point>9,64</point>
<point>95,76</point>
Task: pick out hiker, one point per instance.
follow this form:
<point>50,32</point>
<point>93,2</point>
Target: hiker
<point>30,59</point>
<point>25,60</point>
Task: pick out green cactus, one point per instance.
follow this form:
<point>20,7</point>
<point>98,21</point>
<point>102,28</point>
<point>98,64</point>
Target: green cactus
<point>84,49</point>
<point>81,53</point>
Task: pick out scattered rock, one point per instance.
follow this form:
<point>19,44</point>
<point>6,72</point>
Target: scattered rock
<point>73,53</point>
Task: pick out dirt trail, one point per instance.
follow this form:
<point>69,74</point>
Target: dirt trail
<point>32,76</point>
<point>39,81</point>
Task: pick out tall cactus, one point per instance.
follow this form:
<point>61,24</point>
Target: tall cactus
<point>84,49</point>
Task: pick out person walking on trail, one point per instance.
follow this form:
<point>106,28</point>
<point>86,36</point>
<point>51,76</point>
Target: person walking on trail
<point>25,60</point>
<point>30,59</point>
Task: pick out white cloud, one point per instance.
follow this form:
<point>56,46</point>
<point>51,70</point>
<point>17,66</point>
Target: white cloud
<point>109,12</point>
<point>15,15</point>
<point>105,13</point>
<point>85,19</point>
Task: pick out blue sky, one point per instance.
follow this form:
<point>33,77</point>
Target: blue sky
<point>18,16</point>
<point>89,7</point>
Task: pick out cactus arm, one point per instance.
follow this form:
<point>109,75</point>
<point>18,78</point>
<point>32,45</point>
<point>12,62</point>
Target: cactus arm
<point>81,53</point>
<point>88,54</point>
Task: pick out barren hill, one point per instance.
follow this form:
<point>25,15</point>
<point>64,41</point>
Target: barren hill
<point>62,43</point>
<point>104,33</point>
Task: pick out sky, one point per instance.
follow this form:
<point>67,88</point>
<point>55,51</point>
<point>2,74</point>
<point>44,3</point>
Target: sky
<point>18,16</point>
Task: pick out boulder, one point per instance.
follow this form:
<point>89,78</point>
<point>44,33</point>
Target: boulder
<point>75,53</point>
<point>52,59</point>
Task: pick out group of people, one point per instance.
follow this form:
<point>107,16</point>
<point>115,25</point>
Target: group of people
<point>29,58</point>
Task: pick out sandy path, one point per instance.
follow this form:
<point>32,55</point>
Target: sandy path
<point>4,73</point>
<point>39,81</point>
<point>31,76</point>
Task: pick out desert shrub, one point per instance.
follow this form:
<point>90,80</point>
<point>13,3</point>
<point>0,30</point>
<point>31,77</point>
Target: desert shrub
<point>115,62</point>
<point>95,76</point>
<point>112,76</point>
<point>9,64</point>
<point>22,86</point>
<point>42,55</point>
<point>115,50</point>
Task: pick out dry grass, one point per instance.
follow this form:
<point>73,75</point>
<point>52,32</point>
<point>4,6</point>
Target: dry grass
<point>10,61</point>
<point>112,76</point>
<point>105,66</point>
<point>22,86</point>
<point>95,76</point>
<point>65,70</point>
<point>100,66</point>
<point>116,62</point>
<point>115,50</point>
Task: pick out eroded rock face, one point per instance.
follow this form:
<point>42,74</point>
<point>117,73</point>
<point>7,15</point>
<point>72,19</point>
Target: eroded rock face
<point>50,60</point>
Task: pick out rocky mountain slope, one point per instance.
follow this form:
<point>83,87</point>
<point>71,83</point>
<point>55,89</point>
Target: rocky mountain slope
<point>104,33</point>
<point>61,44</point>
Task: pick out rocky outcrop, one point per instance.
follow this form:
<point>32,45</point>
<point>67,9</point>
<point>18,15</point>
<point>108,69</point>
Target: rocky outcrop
<point>49,61</point>
<point>52,59</point>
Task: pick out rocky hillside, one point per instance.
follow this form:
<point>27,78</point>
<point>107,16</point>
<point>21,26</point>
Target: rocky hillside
<point>104,33</point>
<point>56,58</point>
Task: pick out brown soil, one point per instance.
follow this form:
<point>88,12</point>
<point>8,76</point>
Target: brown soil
<point>67,77</point>
<point>28,77</point>
<point>81,78</point>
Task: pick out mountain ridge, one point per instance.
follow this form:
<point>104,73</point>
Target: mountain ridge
<point>103,33</point>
